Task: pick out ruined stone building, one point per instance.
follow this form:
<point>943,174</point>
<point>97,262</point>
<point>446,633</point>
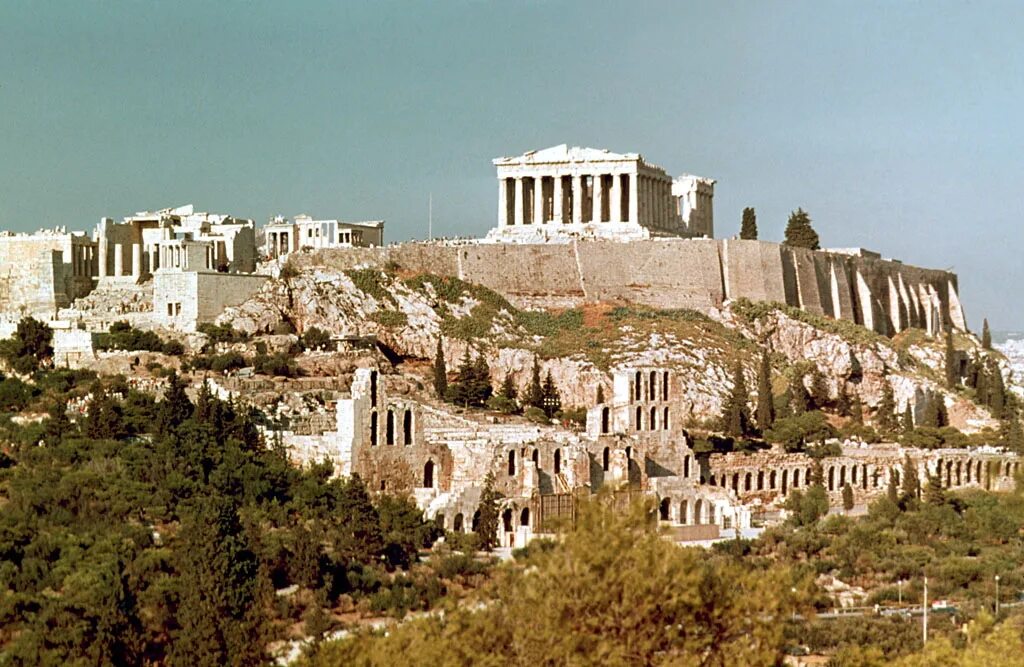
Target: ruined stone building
<point>282,236</point>
<point>573,192</point>
<point>44,271</point>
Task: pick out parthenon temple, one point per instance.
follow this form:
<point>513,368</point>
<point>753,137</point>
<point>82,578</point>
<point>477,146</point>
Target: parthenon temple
<point>574,192</point>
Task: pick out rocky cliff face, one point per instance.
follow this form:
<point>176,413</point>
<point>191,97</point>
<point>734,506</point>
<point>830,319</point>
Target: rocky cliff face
<point>409,314</point>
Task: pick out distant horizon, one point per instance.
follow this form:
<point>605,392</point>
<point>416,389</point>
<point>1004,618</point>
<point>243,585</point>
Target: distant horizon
<point>893,124</point>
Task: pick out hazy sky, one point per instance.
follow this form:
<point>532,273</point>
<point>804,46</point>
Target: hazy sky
<point>898,125</point>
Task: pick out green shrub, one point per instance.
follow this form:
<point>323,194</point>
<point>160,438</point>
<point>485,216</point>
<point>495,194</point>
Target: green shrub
<point>536,415</point>
<point>390,318</point>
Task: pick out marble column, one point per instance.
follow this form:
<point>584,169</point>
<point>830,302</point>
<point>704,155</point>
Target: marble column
<point>538,200</point>
<point>615,208</point>
<point>502,202</point>
<point>634,198</point>
<point>102,266</point>
<point>118,260</point>
<point>598,198</point>
<point>557,201</point>
<point>136,260</point>
<point>577,199</point>
<point>517,212</point>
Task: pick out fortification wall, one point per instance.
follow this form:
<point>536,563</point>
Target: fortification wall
<point>884,295</point>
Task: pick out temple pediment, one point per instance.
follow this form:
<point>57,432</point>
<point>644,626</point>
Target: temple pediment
<point>566,153</point>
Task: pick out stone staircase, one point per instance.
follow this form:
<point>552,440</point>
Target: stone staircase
<point>112,301</point>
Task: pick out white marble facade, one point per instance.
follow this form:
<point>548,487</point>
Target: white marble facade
<point>578,192</point>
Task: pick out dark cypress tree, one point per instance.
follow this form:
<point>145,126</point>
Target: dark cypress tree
<point>908,420</point>
<point>799,232</point>
<point>929,411</point>
<point>819,389</point>
<point>986,336</point>
<point>765,400</point>
<point>886,416</point>
<point>175,408</point>
<point>934,494</point>
<point>910,489</point>
<point>534,393</point>
<point>481,388</point>
<point>952,370</point>
<point>843,401</point>
<point>551,400</point>
<point>440,372</point>
<point>460,392</point>
<point>487,526</point>
<point>508,388</point>
<point>1011,434</point>
<point>800,400</point>
<point>356,534</point>
<point>996,389</point>
<point>736,413</point>
<point>847,497</point>
<point>748,228</point>
<point>891,491</point>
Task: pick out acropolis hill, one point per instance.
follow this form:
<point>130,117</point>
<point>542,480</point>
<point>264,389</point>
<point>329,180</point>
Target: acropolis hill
<point>603,276</point>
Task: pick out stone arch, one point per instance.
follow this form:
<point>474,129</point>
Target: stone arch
<point>606,418</point>
<point>373,388</point>
<point>686,466</point>
<point>864,476</point>
<point>457,523</point>
<point>639,418</point>
<point>698,511</point>
<point>842,476</point>
<point>652,386</point>
<point>475,523</point>
<point>638,386</point>
<point>652,424</point>
<point>664,386</point>
<point>796,478</point>
<point>785,481</point>
<point>428,474</point>
<point>959,467</point>
<point>524,517</point>
<point>683,518</point>
<point>373,428</point>
<point>736,482</point>
<point>663,509</point>
<point>629,453</point>
<point>771,480</point>
<point>831,478</point>
<point>949,473</point>
<point>853,475</point>
<point>390,428</point>
<point>536,458</point>
<point>511,462</point>
<point>760,480</point>
<point>506,520</point>
<point>977,473</point>
<point>664,419</point>
<point>558,461</point>
<point>967,470</point>
<point>407,428</point>
<point>606,459</point>
<point>747,481</point>
<point>439,521</point>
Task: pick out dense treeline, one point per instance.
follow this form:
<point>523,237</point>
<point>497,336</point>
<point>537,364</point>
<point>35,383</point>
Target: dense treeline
<point>159,530</point>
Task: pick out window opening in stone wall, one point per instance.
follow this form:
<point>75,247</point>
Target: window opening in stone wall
<point>457,523</point>
<point>373,388</point>
<point>638,385</point>
<point>390,429</point>
<point>373,429</point>
<point>558,461</point>
<point>686,466</point>
<point>407,428</point>
<point>663,509</point>
<point>536,458</point>
<point>682,513</point>
<point>652,386</point>
<point>511,462</point>
<point>639,418</point>
<point>605,456</point>
<point>664,419</point>
<point>428,475</point>
<point>653,424</point>
<point>506,520</point>
<point>664,386</point>
<point>524,517</point>
<point>605,420</point>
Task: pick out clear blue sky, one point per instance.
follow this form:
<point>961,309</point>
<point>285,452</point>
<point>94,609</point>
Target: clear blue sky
<point>896,125</point>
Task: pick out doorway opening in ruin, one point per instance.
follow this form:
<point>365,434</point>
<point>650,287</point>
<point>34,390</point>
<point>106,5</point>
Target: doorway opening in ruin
<point>664,419</point>
<point>373,428</point>
<point>683,518</point>
<point>629,454</point>
<point>771,480</point>
<point>558,461</point>
<point>475,525</point>
<point>698,512</point>
<point>524,517</point>
<point>511,462</point>
<point>407,428</point>
<point>663,509</point>
<point>506,520</point>
<point>390,430</point>
<point>747,480</point>
<point>457,523</point>
<point>536,458</point>
<point>428,475</point>
<point>760,480</point>
<point>605,456</point>
<point>653,424</point>
<point>605,420</point>
<point>785,481</point>
<point>373,388</point>
<point>686,466</point>
<point>664,386</point>
<point>638,385</point>
<point>652,386</point>
<point>639,418</point>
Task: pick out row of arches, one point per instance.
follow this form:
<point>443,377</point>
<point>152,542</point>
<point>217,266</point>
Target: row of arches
<point>652,420</point>
<point>391,434</point>
<point>696,513</point>
<point>653,385</point>
<point>963,472</point>
<point>515,458</point>
<point>510,521</point>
